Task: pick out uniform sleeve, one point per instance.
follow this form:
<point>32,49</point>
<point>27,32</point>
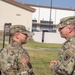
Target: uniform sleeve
<point>24,63</point>
<point>6,62</point>
<point>65,64</point>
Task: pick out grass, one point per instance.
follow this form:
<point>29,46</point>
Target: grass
<point>42,45</point>
<point>40,60</point>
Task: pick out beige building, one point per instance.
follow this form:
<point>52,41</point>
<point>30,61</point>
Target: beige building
<point>14,12</point>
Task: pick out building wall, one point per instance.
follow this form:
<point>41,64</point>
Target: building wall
<point>63,13</point>
<point>15,15</point>
<point>53,38</point>
<point>37,36</point>
<point>56,14</point>
<point>48,37</point>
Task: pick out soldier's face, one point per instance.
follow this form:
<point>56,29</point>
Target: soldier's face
<point>23,38</point>
<point>64,32</point>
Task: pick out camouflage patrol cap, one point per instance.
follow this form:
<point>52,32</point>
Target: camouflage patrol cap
<point>19,28</point>
<point>66,21</point>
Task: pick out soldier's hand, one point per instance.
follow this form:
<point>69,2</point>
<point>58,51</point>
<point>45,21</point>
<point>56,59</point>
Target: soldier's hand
<point>54,62</point>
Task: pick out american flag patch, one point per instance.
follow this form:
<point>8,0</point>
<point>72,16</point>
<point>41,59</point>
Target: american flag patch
<point>25,60</point>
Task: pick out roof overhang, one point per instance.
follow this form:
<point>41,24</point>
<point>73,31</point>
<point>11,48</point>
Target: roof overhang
<point>21,5</point>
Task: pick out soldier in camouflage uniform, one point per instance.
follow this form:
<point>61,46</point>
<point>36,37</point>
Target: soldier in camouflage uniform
<point>65,65</point>
<point>14,60</point>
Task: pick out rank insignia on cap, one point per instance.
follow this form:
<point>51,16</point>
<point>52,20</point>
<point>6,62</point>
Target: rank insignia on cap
<point>24,60</point>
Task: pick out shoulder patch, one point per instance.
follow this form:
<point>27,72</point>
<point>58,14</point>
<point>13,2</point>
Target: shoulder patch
<point>66,57</point>
<point>25,60</point>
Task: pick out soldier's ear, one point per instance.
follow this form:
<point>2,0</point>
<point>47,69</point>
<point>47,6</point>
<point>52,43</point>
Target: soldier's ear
<point>70,29</point>
<point>17,35</point>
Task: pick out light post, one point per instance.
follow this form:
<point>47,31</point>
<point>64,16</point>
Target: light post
<point>50,14</point>
<point>50,9</point>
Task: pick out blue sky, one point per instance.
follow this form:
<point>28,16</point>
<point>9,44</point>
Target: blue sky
<point>55,3</point>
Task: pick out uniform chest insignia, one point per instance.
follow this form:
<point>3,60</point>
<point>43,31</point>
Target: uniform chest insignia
<point>66,57</point>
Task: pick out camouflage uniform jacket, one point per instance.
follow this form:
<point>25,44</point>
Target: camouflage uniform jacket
<point>66,58</point>
<point>14,60</point>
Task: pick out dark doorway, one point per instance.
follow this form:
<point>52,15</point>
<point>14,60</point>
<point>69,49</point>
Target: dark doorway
<point>43,31</point>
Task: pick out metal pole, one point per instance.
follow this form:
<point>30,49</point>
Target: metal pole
<point>50,14</point>
<point>3,37</point>
<point>50,9</point>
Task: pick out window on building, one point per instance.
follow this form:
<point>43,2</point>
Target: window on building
<point>46,22</point>
<point>34,20</point>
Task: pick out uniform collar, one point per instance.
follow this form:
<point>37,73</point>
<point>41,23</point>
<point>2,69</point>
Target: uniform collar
<point>16,44</point>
